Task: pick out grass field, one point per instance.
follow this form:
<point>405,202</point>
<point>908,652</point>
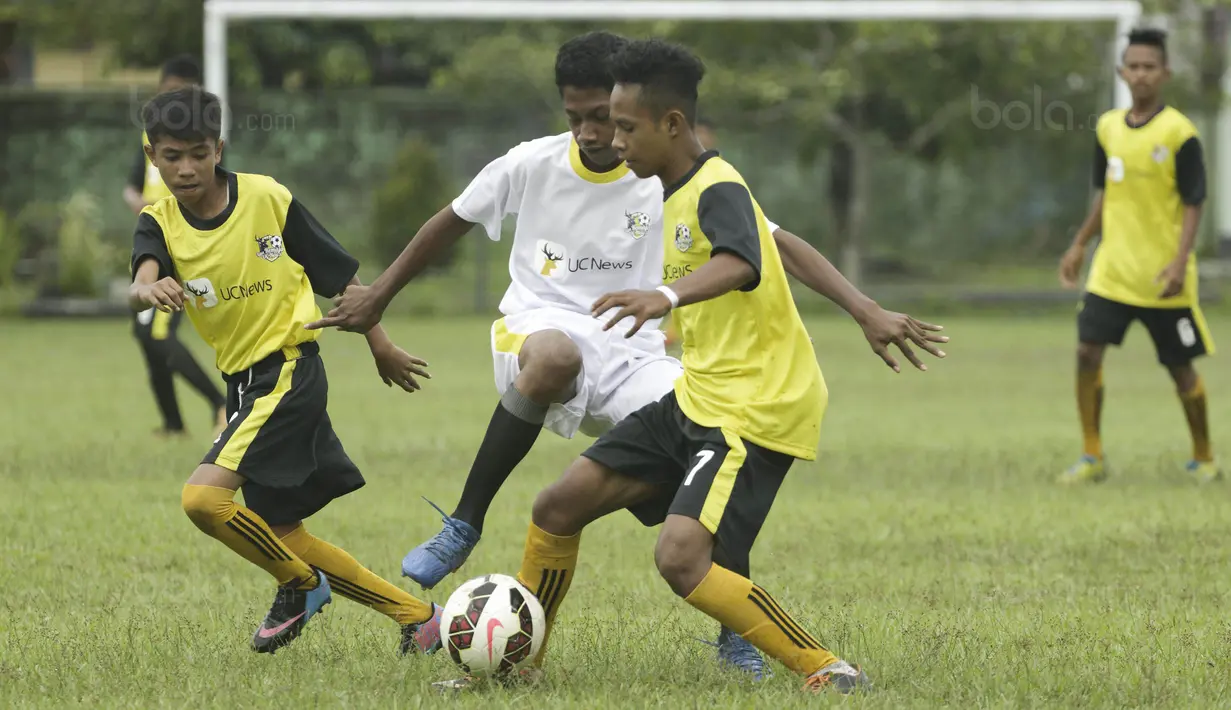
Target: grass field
<point>928,543</point>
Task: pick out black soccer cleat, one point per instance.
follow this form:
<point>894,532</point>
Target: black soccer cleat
<point>291,610</point>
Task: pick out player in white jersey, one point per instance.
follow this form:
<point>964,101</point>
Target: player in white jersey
<point>586,226</point>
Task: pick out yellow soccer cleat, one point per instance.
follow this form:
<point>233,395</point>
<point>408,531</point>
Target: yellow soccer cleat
<point>1088,469</point>
<point>1204,471</point>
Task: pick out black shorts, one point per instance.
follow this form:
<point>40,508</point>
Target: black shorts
<point>1179,334</point>
<point>153,325</point>
<point>711,475</point>
<point>280,439</point>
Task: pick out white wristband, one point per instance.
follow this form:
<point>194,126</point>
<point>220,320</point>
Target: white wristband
<point>675,300</point>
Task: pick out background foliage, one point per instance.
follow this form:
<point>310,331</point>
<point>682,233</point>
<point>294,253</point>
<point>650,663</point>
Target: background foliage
<point>879,141</point>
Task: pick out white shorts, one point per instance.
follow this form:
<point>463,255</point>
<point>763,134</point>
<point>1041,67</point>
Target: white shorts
<point>618,376</point>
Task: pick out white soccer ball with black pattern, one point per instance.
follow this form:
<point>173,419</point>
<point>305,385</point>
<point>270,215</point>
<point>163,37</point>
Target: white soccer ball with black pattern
<point>492,625</point>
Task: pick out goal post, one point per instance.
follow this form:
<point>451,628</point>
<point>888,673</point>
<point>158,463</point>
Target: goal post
<point>220,13</point>
<point>1124,15</point>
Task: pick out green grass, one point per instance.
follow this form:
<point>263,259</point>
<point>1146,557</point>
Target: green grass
<point>928,543</point>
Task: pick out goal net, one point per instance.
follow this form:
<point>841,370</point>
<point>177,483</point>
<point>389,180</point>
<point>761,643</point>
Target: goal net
<point>933,146</point>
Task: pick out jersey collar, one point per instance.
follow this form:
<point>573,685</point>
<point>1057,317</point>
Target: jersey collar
<point>1146,122</point>
<point>205,225</point>
<point>696,167</point>
<point>574,159</point>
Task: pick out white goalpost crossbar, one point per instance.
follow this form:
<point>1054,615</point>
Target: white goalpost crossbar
<point>219,13</point>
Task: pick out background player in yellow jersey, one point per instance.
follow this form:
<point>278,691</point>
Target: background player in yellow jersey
<point>245,257</point>
<point>1150,177</point>
<point>706,460</point>
<point>155,330</point>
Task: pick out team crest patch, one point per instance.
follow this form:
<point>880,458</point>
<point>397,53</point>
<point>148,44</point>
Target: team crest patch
<point>269,247</point>
<point>637,224</point>
<point>1160,153</point>
<point>683,237</point>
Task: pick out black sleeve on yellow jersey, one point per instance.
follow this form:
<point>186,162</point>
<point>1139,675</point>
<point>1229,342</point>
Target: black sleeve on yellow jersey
<point>136,176</point>
<point>329,267</point>
<point>729,220</point>
<point>1100,165</point>
<point>1190,172</point>
<point>149,242</point>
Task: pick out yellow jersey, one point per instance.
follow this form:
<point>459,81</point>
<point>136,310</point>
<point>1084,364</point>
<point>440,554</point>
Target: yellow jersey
<point>1148,173</point>
<point>749,366</point>
<point>146,178</point>
<point>248,274</point>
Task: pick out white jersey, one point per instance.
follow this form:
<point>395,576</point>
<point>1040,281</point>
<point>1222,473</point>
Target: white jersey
<point>579,234</point>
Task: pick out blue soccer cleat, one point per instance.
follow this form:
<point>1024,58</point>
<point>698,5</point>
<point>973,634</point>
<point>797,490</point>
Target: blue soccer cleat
<point>289,614</point>
<point>736,653</point>
<point>442,555</point>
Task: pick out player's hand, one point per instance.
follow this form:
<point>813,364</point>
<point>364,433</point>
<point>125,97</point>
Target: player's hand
<point>884,328</point>
<point>164,294</point>
<point>640,305</point>
<point>357,310</point>
<point>397,367</point>
<point>1070,265</point>
<point>1172,278</point>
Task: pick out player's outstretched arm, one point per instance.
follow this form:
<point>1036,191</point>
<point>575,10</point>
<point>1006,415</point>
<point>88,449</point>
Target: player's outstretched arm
<point>149,291</point>
<point>395,365</point>
<point>133,198</point>
<point>882,328</point>
<point>802,261</point>
<point>136,181</point>
<point>1075,255</point>
<point>724,272</point>
<point>1190,182</point>
<point>359,308</point>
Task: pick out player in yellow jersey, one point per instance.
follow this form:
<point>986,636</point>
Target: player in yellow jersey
<point>244,258</point>
<point>708,137</point>
<point>706,459</point>
<point>1150,177</point>
<point>155,330</point>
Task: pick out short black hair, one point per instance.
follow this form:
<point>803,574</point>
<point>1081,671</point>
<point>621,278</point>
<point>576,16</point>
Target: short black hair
<point>668,74</point>
<point>187,114</point>
<point>184,66</point>
<point>582,62</point>
<point>1149,37</point>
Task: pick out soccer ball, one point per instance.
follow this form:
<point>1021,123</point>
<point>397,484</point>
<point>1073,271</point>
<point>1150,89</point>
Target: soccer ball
<point>492,625</point>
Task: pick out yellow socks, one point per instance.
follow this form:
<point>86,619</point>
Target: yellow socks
<point>749,611</point>
<point>1198,422</point>
<point>547,570</point>
<point>215,512</point>
<point>1090,405</point>
<point>354,581</point>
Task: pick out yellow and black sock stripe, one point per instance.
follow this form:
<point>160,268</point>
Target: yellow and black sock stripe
<point>354,581</point>
<point>354,591</point>
<point>268,545</point>
<point>551,589</point>
<point>214,512</point>
<point>788,626</point>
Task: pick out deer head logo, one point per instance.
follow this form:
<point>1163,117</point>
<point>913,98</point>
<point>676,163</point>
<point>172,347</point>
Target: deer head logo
<point>547,257</point>
<point>203,293</point>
